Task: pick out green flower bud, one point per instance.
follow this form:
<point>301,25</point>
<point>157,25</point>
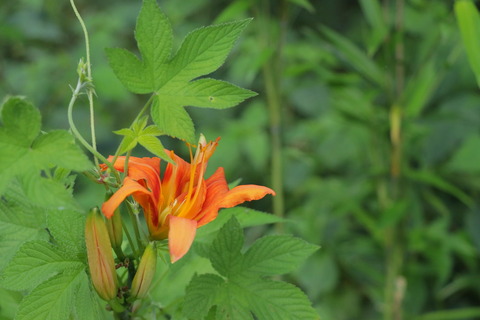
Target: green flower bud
<point>145,272</point>
<point>100,256</point>
<point>114,227</point>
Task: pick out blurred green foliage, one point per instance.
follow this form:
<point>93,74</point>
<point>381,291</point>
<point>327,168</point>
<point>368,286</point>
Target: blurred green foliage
<point>369,108</point>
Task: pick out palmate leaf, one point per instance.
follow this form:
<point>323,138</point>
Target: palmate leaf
<point>25,152</point>
<point>241,291</point>
<point>172,78</point>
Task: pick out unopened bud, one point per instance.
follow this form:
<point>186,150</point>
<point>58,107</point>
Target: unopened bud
<point>145,272</point>
<point>100,256</point>
<point>114,227</point>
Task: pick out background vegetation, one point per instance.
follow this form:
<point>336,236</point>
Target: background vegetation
<point>366,124</point>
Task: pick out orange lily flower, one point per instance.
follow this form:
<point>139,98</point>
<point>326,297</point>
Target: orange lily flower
<point>181,201</point>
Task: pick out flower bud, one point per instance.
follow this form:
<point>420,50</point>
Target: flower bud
<point>145,272</point>
<point>100,256</point>
<point>114,227</point>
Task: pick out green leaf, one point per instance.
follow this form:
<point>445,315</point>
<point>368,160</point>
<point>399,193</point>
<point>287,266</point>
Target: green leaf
<point>153,144</point>
<point>202,293</point>
<point>245,216</point>
<point>277,254</point>
<point>48,193</point>
<point>58,148</point>
<point>172,79</point>
<point>68,228</point>
<point>202,52</point>
<point>154,37</point>
<point>304,4</point>
<point>244,293</point>
<point>129,70</point>
<point>21,120</point>
<point>225,251</point>
<point>52,299</point>
<point>420,89</point>
<point>9,304</point>
<point>436,181</point>
<point>35,262</point>
<point>87,304</point>
<point>19,223</point>
<point>173,120</point>
<point>210,93</point>
<point>278,300</point>
<point>23,154</point>
<point>354,56</point>
<point>469,23</point>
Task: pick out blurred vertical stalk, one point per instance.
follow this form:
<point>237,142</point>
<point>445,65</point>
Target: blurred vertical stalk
<point>271,72</point>
<point>395,283</point>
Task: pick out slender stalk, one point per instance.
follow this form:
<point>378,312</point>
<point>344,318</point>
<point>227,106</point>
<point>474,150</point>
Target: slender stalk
<point>136,229</point>
<point>89,76</point>
<point>129,239</point>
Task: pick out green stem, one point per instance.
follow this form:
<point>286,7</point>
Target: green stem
<point>79,137</point>
<point>133,217</point>
<point>89,76</point>
<point>271,72</point>
<point>129,238</point>
<point>140,114</point>
<point>394,286</point>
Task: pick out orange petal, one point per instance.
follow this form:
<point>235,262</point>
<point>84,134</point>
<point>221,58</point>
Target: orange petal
<point>217,188</point>
<point>244,193</point>
<point>180,236</point>
<point>129,187</point>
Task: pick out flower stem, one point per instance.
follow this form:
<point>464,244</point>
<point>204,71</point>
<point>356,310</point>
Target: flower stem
<point>133,216</point>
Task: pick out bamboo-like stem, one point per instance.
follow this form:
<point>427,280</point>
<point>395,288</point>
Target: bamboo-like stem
<point>271,72</point>
<point>395,283</point>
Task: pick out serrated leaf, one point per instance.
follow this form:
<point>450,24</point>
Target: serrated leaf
<point>209,93</point>
<point>22,155</point>
<point>48,193</point>
<point>21,120</point>
<point>234,304</point>
<point>152,130</point>
<point>173,120</point>
<point>19,223</point>
<point>67,228</point>
<point>202,52</point>
<point>129,70</point>
<point>201,294</point>
<point>274,300</point>
<point>35,262</point>
<point>245,216</point>
<point>153,144</point>
<point>58,148</point>
<point>86,302</point>
<point>124,132</point>
<point>245,293</point>
<point>225,251</point>
<point>277,254</point>
<point>52,299</point>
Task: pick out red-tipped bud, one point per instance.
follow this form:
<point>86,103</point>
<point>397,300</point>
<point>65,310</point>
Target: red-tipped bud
<point>145,272</point>
<point>100,257</point>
